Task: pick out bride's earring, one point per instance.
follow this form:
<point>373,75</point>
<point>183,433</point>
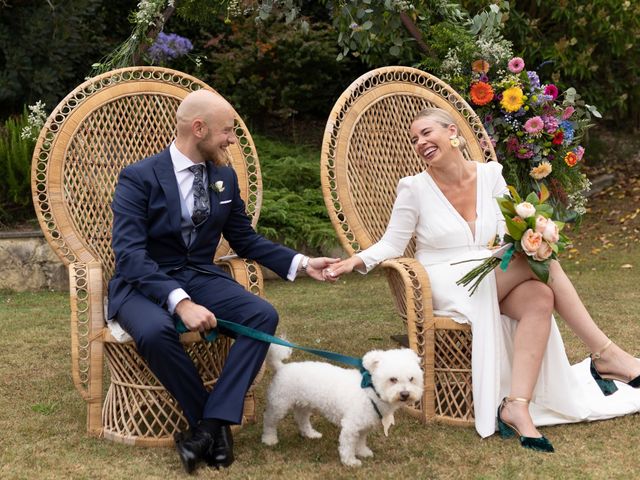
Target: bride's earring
<point>455,141</point>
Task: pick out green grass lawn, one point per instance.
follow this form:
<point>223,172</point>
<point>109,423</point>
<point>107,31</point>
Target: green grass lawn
<point>42,418</point>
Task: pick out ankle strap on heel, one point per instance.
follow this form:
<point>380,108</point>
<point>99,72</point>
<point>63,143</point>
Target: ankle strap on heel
<point>598,355</point>
<point>517,399</point>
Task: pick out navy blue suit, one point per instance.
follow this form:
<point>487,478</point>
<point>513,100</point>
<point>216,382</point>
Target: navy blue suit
<point>152,259</point>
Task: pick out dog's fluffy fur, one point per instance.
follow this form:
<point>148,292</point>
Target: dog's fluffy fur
<point>336,393</point>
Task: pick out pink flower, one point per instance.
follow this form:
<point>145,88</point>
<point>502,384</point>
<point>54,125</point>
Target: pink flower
<point>534,125</point>
<point>512,144</point>
<point>531,242</point>
<point>552,90</point>
<point>551,233</point>
<point>541,223</point>
<point>544,251</point>
<point>579,151</point>
<point>516,65</point>
<point>568,112</point>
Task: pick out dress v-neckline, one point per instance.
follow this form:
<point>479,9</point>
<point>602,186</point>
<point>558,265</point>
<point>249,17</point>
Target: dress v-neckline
<point>445,200</point>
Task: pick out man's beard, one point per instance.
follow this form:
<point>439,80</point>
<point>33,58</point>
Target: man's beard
<point>211,154</point>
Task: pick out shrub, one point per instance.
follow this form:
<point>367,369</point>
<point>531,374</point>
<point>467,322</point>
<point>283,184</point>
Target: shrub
<point>15,172</point>
<point>293,210</point>
<point>278,70</point>
<point>47,48</point>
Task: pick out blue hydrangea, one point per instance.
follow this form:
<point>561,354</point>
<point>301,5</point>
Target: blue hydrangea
<point>569,131</point>
<point>168,47</point>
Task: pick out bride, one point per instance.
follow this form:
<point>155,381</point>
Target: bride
<point>518,355</point>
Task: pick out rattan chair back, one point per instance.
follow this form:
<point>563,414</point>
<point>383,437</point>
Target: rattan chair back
<point>365,152</point>
<point>106,123</point>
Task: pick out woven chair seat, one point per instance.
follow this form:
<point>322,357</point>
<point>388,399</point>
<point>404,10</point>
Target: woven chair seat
<point>106,123</point>
<point>365,152</point>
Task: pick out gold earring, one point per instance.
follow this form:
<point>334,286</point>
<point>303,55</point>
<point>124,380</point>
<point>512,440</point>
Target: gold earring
<point>455,141</point>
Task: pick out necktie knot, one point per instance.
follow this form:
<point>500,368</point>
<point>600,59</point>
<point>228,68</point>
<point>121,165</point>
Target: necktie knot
<point>200,196</point>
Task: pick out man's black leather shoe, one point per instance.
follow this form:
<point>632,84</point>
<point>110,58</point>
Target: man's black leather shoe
<point>193,446</point>
<point>221,451</point>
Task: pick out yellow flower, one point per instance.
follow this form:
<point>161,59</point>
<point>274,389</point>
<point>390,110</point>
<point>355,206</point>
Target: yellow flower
<point>512,99</point>
<point>541,170</point>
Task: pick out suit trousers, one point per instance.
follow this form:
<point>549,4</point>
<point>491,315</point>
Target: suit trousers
<point>153,330</point>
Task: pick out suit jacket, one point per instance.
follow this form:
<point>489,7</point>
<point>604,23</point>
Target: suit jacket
<point>147,239</point>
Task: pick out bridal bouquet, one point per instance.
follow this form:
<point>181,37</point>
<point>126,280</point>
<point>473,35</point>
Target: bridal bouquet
<point>530,230</point>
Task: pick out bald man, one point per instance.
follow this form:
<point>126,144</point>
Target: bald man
<point>166,226</point>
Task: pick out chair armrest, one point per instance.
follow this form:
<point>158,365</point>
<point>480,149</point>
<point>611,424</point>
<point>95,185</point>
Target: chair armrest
<point>411,289</point>
<point>87,325</point>
<point>246,272</point>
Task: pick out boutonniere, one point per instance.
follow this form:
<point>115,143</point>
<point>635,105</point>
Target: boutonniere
<point>217,187</point>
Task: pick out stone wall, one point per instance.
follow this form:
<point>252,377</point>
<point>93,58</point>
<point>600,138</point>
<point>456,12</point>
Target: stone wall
<point>28,263</point>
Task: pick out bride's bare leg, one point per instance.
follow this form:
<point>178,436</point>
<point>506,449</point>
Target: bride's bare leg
<point>569,305</point>
<point>531,303</point>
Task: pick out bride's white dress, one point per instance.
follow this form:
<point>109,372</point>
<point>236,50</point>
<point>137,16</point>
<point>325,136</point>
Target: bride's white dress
<point>564,393</point>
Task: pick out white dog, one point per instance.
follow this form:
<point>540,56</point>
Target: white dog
<point>336,393</point>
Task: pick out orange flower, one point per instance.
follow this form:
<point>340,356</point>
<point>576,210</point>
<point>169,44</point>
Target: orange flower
<point>480,66</point>
<point>481,93</point>
<point>571,159</point>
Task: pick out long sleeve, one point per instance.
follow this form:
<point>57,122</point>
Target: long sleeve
<point>400,229</point>
<point>498,190</point>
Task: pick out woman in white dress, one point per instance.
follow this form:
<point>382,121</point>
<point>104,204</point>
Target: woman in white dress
<point>518,354</point>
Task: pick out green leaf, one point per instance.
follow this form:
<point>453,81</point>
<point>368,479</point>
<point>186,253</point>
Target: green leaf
<point>367,25</point>
<point>544,193</point>
<point>514,194</point>
<point>515,229</point>
<point>545,210</point>
<point>541,269</point>
<point>532,198</point>
<point>506,206</point>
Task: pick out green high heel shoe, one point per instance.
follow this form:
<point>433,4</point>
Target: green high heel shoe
<point>605,382</point>
<point>539,444</point>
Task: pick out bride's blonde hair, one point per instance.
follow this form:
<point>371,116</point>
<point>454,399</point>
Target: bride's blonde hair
<point>443,117</point>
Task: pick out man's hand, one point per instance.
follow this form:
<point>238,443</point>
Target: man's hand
<point>196,317</point>
<point>317,265</point>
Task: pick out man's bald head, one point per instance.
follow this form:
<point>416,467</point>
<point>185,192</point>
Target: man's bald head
<point>200,105</point>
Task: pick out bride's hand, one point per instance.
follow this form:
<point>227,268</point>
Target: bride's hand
<point>344,266</point>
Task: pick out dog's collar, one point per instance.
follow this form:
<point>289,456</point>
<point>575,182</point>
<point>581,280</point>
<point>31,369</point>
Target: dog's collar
<point>366,381</point>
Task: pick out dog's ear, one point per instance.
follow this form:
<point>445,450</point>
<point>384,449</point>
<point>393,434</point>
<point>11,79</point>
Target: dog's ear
<point>371,360</point>
<point>411,354</point>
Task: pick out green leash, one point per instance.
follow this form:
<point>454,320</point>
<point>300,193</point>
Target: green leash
<point>264,337</point>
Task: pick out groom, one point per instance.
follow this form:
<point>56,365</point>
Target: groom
<point>169,211</point>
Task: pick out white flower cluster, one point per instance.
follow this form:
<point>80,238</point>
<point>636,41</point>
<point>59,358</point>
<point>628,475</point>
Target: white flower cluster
<point>35,122</point>
<point>402,6</point>
<point>494,52</point>
<point>149,11</point>
<point>578,199</point>
<point>451,65</point>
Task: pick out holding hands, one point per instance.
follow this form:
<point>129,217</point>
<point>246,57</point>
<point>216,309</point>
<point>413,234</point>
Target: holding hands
<point>348,265</point>
<point>315,268</point>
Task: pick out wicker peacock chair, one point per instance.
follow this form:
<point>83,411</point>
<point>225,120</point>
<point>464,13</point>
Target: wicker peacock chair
<point>106,123</point>
<point>365,151</point>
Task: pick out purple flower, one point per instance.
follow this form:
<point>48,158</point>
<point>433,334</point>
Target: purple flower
<point>488,118</point>
<point>534,80</point>
<point>579,151</point>
<point>550,123</point>
<point>168,47</point>
<point>483,78</point>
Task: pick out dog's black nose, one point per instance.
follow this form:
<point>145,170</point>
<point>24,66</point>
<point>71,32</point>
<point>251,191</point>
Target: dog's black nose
<point>404,395</point>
